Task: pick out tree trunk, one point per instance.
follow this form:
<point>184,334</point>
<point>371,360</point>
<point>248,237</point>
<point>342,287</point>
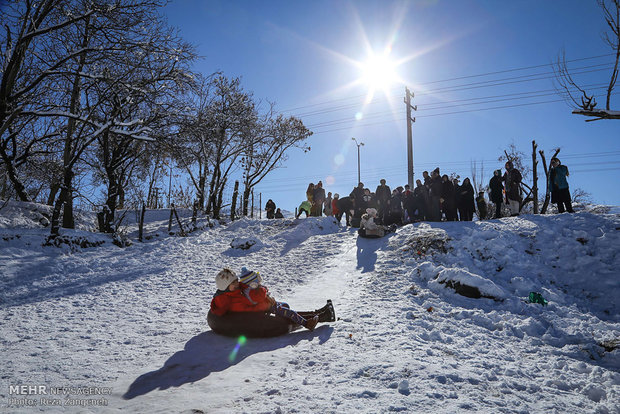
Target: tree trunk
<point>68,162</point>
<point>54,188</point>
<point>141,226</point>
<point>246,198</point>
<point>11,173</point>
<point>212,190</point>
<point>234,201</point>
<point>111,202</point>
<point>202,184</point>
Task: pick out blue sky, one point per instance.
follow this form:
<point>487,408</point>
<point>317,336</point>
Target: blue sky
<point>306,55</point>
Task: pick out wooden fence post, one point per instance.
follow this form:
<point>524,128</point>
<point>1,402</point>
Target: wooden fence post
<point>535,173</point>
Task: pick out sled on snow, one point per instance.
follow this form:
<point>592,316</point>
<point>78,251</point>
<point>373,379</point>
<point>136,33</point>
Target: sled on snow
<point>263,325</point>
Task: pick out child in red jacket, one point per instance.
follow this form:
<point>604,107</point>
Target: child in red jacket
<point>235,296</point>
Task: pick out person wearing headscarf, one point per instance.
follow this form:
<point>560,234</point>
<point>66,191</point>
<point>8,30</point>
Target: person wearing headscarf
<point>558,184</point>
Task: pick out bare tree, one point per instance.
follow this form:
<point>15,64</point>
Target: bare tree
<point>231,116</point>
<point>477,179</point>
<point>271,139</point>
<point>193,145</point>
<point>28,26</point>
<point>143,84</point>
<point>584,102</point>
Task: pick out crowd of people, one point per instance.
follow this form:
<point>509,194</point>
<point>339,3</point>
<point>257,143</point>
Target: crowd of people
<point>436,197</point>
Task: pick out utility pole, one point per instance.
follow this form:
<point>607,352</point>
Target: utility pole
<point>410,120</point>
<point>361,144</point>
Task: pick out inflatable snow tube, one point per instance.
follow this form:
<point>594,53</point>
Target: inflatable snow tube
<point>368,235</point>
<point>249,324</point>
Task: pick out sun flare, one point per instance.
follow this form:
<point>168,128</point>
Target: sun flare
<point>379,72</point>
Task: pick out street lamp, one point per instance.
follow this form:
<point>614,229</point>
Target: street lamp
<point>359,180</point>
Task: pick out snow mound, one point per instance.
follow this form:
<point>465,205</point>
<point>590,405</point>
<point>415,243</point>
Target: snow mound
<point>246,243</point>
<point>302,229</point>
<point>469,284</point>
<point>25,215</point>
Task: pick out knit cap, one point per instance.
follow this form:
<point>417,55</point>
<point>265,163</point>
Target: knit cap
<point>224,278</point>
<point>250,278</point>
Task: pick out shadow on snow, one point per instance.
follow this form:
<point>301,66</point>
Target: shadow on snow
<point>208,352</point>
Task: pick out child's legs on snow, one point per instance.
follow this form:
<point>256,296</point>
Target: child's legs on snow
<point>283,309</point>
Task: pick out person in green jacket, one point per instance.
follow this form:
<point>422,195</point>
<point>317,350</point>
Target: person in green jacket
<point>306,207</point>
<point>558,184</point>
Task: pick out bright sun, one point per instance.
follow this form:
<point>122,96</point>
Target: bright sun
<point>379,72</point>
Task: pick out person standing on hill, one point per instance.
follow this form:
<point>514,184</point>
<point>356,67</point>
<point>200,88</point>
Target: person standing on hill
<point>560,193</point>
<point>467,205</point>
<point>512,178</point>
<point>357,196</point>
<point>270,208</point>
<point>497,192</point>
<point>318,200</point>
<point>327,209</point>
<point>382,194</point>
<point>310,193</point>
<point>482,205</point>
<point>335,208</point>
<point>435,195</point>
<point>448,198</point>
<point>420,194</point>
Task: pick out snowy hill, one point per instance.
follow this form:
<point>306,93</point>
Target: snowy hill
<point>433,318</point>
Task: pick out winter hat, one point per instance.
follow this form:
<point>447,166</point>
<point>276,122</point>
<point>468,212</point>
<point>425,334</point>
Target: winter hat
<point>250,278</point>
<point>224,278</point>
<point>371,212</point>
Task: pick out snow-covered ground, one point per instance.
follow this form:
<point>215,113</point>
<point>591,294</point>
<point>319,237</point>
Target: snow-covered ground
<point>129,324</point>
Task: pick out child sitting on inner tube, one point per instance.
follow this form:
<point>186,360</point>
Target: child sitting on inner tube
<point>235,296</point>
<point>368,227</point>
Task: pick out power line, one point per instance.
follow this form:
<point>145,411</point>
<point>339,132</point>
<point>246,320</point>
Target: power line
<point>447,113</point>
<point>450,79</point>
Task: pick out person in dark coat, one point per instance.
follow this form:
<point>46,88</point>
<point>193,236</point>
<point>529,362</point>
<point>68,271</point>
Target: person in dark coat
<point>427,180</point>
<point>482,206</point>
<point>497,192</point>
<point>270,208</point>
<point>367,200</point>
<point>318,199</point>
<point>457,199</point>
<point>512,180</point>
<point>448,198</point>
<point>435,195</point>
<point>420,193</point>
<point>558,184</point>
<point>382,195</point>
<point>466,201</point>
<point>409,205</point>
<point>357,196</point>
<point>279,214</point>
<point>395,207</point>
<point>345,205</point>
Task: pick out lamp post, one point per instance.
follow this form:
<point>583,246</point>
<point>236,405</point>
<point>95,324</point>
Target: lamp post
<point>359,180</point>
